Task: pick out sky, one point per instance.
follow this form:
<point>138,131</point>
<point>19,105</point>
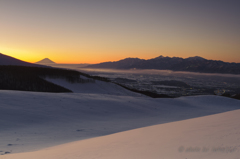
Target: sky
<point>93,31</point>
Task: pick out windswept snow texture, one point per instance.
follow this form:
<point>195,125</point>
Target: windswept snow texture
<point>210,137</point>
<point>31,121</point>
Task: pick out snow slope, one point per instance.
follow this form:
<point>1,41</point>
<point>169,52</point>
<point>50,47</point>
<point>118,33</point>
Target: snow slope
<point>211,137</point>
<point>98,87</point>
<point>32,121</point>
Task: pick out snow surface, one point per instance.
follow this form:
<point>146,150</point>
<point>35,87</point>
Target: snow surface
<point>211,137</point>
<point>97,87</point>
<point>31,121</point>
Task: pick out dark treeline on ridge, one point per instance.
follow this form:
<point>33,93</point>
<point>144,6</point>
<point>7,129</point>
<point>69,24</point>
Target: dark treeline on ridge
<point>26,78</point>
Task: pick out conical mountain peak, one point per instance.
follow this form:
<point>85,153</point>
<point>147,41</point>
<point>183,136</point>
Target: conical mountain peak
<point>45,61</point>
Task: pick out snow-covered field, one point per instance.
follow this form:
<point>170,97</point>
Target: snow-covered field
<point>31,121</point>
<point>211,137</point>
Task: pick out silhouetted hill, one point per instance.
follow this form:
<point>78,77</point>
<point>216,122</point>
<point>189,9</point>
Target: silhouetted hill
<point>122,64</point>
<point>45,61</point>
<point>192,64</point>
<point>8,60</point>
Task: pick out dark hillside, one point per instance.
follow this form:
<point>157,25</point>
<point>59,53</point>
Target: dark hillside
<point>25,78</point>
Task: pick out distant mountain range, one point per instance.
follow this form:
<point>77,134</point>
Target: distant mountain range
<point>192,64</point>
<point>8,60</point>
<point>45,61</point>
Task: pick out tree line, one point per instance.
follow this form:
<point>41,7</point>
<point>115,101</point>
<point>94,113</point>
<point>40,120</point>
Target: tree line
<point>26,78</point>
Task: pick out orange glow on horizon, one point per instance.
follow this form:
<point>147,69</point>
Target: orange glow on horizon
<point>86,32</point>
<point>91,58</point>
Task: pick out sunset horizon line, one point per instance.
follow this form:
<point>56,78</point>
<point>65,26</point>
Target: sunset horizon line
<point>137,58</point>
<point>56,61</point>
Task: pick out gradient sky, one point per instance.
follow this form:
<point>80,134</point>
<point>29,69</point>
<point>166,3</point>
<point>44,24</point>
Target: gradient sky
<point>92,31</point>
